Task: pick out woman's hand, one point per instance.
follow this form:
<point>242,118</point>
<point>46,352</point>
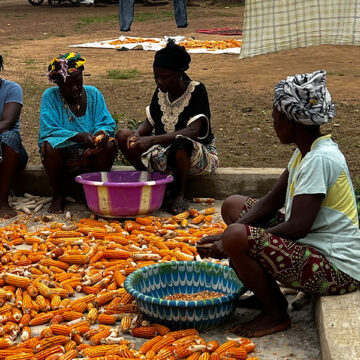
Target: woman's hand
<point>211,246</point>
<point>101,138</point>
<point>85,139</point>
<point>132,139</point>
<point>141,144</point>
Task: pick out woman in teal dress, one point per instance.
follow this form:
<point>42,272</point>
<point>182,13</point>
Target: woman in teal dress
<point>76,127</point>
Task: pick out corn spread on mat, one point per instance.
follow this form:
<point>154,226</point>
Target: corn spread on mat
<point>228,46</point>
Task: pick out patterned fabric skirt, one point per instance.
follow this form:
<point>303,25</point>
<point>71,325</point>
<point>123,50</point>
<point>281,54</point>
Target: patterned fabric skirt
<point>12,139</point>
<point>204,158</point>
<point>295,265</point>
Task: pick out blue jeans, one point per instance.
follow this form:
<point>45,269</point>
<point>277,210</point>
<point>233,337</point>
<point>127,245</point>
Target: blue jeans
<point>180,13</point>
<point>126,13</point>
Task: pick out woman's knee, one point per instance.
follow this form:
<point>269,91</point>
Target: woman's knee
<point>232,207</point>
<point>235,239</point>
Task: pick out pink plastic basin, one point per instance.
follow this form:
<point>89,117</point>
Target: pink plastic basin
<point>124,193</point>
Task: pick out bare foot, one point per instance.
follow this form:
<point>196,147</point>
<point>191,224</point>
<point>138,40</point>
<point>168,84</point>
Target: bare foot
<point>6,212</point>
<point>179,205</point>
<point>57,205</point>
<point>262,325</point>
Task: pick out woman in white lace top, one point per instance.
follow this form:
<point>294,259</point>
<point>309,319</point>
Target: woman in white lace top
<point>176,136</point>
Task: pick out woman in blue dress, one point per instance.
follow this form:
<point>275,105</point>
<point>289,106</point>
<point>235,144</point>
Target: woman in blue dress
<point>13,156</point>
<point>76,127</point>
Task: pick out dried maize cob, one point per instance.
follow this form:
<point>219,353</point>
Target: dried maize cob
<point>225,346</point>
<point>92,316</point>
<point>147,346</point>
<point>106,319</point>
<point>146,332</point>
<point>69,355</point>
<point>238,353</point>
<point>44,354</point>
<point>95,339</point>
<point>161,329</point>
<point>15,280</point>
<point>58,329</point>
<point>205,356</point>
<point>212,345</point>
<point>40,319</point>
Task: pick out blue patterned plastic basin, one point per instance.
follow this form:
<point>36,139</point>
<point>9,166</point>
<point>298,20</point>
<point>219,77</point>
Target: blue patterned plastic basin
<point>150,284</point>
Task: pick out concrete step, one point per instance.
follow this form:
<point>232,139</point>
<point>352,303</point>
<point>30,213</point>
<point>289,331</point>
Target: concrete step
<point>254,182</point>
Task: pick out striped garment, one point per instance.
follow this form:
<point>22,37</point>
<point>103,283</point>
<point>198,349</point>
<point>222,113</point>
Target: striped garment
<point>277,25</point>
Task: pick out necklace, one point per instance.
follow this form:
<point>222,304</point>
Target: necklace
<point>71,115</point>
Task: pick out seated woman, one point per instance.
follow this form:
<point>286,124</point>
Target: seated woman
<point>179,116</point>
<point>13,156</point>
<point>75,126</point>
<point>316,248</point>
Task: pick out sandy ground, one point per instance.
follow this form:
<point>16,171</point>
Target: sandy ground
<point>32,36</point>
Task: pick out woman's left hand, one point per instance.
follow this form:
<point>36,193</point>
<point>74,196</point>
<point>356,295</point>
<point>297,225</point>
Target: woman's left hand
<point>101,138</point>
<point>142,144</point>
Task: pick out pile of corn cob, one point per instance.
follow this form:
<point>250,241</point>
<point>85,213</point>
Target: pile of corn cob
<point>71,283</point>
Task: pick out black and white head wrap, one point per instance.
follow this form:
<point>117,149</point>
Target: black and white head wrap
<point>304,98</point>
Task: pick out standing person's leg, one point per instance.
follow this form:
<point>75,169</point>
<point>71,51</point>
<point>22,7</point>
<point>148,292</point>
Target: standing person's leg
<point>180,13</point>
<point>8,169</point>
<point>126,14</point>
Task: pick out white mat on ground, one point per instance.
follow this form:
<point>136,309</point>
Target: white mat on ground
<point>154,44</point>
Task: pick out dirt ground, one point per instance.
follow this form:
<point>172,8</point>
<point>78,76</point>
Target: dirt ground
<point>31,36</point>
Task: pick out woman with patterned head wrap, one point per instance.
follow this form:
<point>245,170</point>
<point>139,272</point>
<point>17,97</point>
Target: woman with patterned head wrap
<point>179,116</point>
<point>71,118</point>
<point>315,246</point>
<point>13,156</point>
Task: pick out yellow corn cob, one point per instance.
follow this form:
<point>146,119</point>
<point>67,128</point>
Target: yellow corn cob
<point>74,259</point>
<point>225,346</point>
<point>50,342</point>
<point>208,218</point>
<point>95,339</point>
<point>106,319</point>
<point>66,234</point>
<point>62,292</point>
<point>215,356</point>
<point>104,298</point>
<point>33,291</point>
<point>119,278</point>
<point>40,319</point>
<point>43,290</point>
<point>205,356</point>
<point>92,316</point>
<point>50,262</point>
<point>94,351</point>
<point>165,341</point>
<point>70,345</point>
<point>238,353</point>
<point>46,332</point>
<point>72,315</point>
<point>24,320</point>
<point>194,356</point>
<point>40,300</point>
<point>146,332</point>
<point>26,334</point>
<point>19,356</point>
<point>116,254</point>
<point>180,256</point>
<point>164,354</point>
<point>150,355</point>
<point>147,346</point>
<point>249,346</point>
<point>27,303</point>
<point>15,280</point>
<point>55,302</point>
<point>85,299</point>
<point>65,303</point>
<point>81,327</point>
<point>125,324</point>
<point>198,219</point>
<point>212,345</point>
<point>79,307</point>
<point>16,315</point>
<point>108,357</point>
<point>58,329</point>
<point>183,351</point>
<point>69,355</point>
<point>98,255</point>
<point>42,355</point>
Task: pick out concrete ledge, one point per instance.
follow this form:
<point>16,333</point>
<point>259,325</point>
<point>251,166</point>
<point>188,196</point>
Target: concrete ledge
<point>224,182</point>
<point>338,322</point>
